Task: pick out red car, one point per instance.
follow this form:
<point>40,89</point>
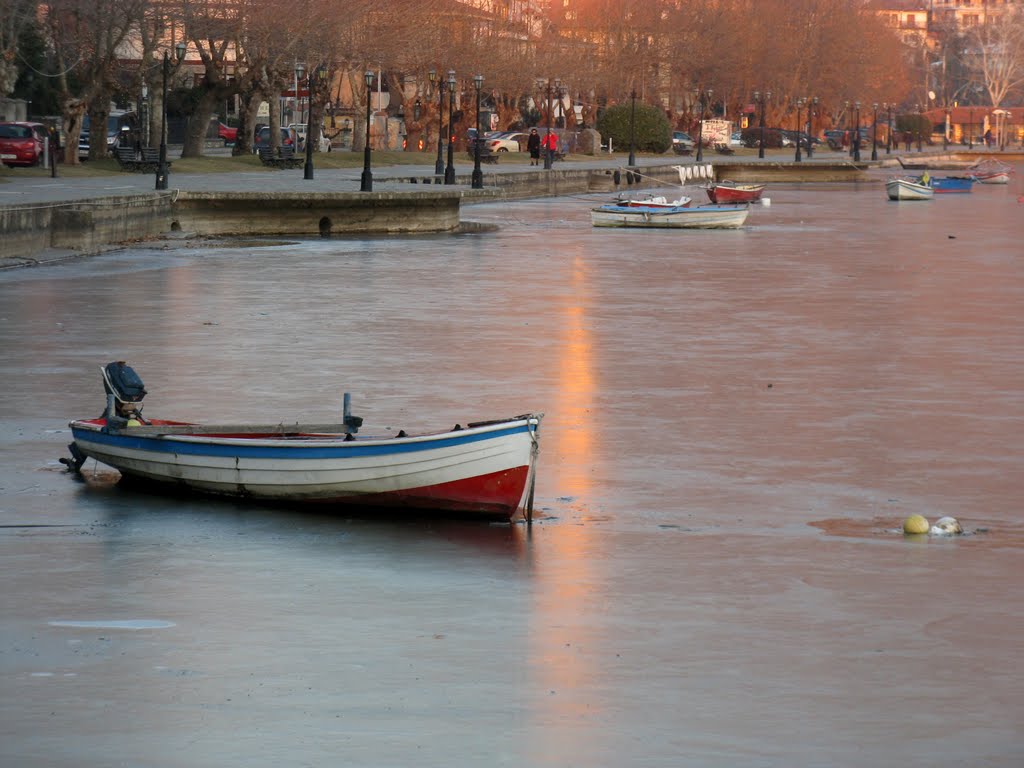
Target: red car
<point>227,133</point>
<point>21,143</point>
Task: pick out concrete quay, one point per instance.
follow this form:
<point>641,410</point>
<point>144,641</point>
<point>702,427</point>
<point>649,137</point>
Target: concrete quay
<point>51,218</point>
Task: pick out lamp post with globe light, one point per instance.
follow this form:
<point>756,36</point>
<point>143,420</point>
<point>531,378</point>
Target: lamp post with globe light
<point>320,73</point>
<point>799,139</point>
<point>478,176</point>
<point>874,131</point>
<point>162,170</point>
<point>439,165</point>
<point>366,183</point>
<point>449,171</point>
<point>632,128</point>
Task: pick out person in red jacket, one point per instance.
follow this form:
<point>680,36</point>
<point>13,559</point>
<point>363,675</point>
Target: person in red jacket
<point>550,144</point>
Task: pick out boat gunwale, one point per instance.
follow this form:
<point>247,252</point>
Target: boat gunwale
<point>298,436</point>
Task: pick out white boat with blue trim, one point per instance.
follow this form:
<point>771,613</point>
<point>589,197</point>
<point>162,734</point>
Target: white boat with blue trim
<point>483,469</point>
<point>909,188</point>
<point>672,217</point>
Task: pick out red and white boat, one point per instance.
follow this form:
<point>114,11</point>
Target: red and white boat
<point>729,192</point>
<point>483,469</point>
<point>991,171</point>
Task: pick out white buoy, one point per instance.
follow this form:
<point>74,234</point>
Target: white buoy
<point>766,201</point>
<point>946,526</point>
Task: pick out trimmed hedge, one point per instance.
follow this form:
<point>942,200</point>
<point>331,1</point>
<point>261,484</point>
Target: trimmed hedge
<point>653,132</point>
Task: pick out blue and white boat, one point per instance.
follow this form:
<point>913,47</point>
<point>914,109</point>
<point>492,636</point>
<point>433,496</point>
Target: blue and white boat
<point>672,217</point>
<point>483,469</point>
<point>907,188</point>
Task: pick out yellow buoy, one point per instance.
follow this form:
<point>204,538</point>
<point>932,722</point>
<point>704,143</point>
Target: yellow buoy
<point>915,524</point>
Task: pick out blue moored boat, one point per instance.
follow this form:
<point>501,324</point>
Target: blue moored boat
<point>942,184</point>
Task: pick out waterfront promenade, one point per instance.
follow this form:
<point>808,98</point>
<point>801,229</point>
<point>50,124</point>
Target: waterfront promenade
<point>394,178</point>
<point>47,218</point>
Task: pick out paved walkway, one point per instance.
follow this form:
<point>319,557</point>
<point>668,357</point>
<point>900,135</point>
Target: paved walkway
<point>35,189</point>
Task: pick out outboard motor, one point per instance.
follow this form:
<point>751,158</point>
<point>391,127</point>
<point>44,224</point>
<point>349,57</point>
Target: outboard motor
<point>125,392</point>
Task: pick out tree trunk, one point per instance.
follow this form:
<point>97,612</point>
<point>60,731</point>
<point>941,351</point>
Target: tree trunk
<point>250,104</point>
<point>74,112</point>
<point>99,111</point>
<point>199,123</point>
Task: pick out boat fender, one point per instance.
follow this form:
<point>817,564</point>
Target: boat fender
<point>617,178</point>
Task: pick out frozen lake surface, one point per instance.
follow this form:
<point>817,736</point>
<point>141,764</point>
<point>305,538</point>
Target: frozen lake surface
<point>737,423</point>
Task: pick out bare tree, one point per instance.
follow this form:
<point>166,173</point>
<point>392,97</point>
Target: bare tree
<point>15,17</point>
<point>86,36</point>
<point>998,60</point>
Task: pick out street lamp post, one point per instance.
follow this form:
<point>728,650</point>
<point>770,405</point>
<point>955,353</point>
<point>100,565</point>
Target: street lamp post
<point>874,131</point>
<point>300,75</point>
<point>917,127</point>
<point>558,93</point>
<point>162,171</point>
<point>799,139</point>
<point>144,138</point>
<point>321,73</point>
<point>548,159</point>
<point>761,99</point>
<point>478,176</point>
<point>856,132</point>
<point>888,127</point>
<point>449,171</point>
<point>439,165</point>
<point>366,184</point>
<point>705,99</point>
<point>812,102</point>
<point>632,129</point>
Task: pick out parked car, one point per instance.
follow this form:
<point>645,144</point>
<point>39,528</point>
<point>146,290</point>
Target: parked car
<point>681,141</point>
<point>21,143</point>
<point>262,138</point>
<point>118,124</point>
<point>838,139</point>
<point>505,141</point>
<point>227,133</point>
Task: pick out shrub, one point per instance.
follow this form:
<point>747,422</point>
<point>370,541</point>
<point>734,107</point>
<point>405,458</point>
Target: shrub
<point>652,130</point>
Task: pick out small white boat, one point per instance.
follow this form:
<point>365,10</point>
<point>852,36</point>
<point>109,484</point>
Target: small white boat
<point>482,469</point>
<point>905,188</point>
<point>991,171</point>
<point>670,217</point>
<point>655,201</point>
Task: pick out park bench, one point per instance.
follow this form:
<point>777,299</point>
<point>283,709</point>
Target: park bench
<point>145,160</point>
<point>487,155</point>
<point>283,157</point>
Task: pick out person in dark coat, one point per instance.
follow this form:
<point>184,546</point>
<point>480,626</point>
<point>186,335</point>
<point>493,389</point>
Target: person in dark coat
<point>533,146</point>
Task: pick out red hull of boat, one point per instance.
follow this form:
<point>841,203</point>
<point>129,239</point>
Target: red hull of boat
<point>721,194</point>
